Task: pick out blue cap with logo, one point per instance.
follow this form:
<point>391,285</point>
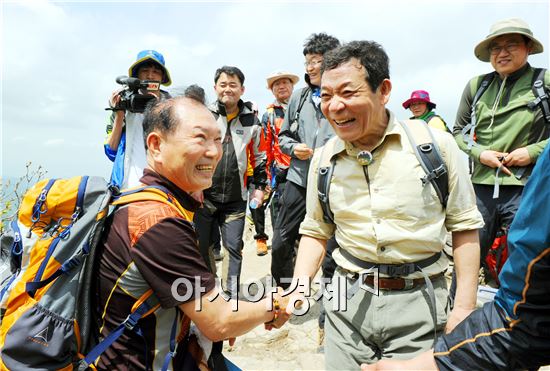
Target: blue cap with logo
<point>154,56</point>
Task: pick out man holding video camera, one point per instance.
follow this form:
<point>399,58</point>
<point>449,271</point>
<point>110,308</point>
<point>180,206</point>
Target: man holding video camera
<point>124,144</point>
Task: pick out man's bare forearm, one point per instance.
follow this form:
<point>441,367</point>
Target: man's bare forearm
<point>310,256</point>
<point>466,259</point>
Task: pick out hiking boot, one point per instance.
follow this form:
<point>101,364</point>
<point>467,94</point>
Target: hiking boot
<point>261,247</point>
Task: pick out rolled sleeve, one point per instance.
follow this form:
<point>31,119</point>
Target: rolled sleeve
<point>462,213</point>
<point>109,152</point>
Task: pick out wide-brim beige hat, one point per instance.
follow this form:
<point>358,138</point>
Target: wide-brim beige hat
<point>505,27</point>
<point>274,76</point>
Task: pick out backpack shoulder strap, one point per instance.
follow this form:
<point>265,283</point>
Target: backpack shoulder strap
<point>541,97</point>
<point>485,82</point>
<point>429,157</point>
<point>469,130</point>
<point>143,307</point>
<point>294,122</point>
<point>303,98</point>
<point>152,193</point>
<point>324,176</point>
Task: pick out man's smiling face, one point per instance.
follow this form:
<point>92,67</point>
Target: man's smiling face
<point>349,104</point>
<point>508,53</point>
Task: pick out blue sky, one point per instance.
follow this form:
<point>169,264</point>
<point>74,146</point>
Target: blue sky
<point>59,59</point>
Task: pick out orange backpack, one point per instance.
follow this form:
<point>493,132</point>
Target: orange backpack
<point>47,316</point>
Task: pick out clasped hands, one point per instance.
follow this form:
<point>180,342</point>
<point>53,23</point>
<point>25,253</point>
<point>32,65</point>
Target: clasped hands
<point>503,160</point>
<point>284,304</point>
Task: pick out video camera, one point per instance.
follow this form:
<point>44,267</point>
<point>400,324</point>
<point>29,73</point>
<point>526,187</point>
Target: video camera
<point>131,99</point>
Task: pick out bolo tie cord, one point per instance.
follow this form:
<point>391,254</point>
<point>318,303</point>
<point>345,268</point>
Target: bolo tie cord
<point>365,159</point>
<point>366,172</point>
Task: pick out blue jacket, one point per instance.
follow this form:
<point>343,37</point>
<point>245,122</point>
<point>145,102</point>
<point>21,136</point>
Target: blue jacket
<point>525,278</point>
<point>117,157</point>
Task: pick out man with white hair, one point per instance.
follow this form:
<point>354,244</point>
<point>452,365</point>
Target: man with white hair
<point>281,84</point>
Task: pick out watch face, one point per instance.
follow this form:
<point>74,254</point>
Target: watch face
<point>364,158</point>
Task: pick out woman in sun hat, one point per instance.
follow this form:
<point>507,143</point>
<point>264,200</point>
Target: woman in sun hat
<point>423,109</point>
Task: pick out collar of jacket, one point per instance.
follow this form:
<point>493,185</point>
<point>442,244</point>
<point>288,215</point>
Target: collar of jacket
<point>514,76</point>
<point>246,116</point>
<point>151,177</point>
<point>244,108</point>
<point>425,116</point>
<point>277,104</point>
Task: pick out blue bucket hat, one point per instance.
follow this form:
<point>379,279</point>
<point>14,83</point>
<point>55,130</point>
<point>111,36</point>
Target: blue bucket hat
<point>150,55</point>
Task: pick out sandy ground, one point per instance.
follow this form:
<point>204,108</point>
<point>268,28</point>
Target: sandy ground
<point>293,347</point>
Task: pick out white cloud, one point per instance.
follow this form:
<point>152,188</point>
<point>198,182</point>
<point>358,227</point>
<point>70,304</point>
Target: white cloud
<point>43,8</point>
<point>60,60</point>
<point>161,41</point>
<point>55,98</point>
<point>202,50</point>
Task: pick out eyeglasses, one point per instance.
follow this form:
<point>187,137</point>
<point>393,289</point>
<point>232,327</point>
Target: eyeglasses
<point>510,48</point>
<point>313,63</point>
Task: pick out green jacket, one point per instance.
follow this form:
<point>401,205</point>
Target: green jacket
<point>514,124</point>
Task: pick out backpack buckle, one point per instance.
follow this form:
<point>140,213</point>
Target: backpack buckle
<point>426,147</point>
<point>439,171</point>
<point>534,103</point>
<point>400,270</point>
<point>130,323</point>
